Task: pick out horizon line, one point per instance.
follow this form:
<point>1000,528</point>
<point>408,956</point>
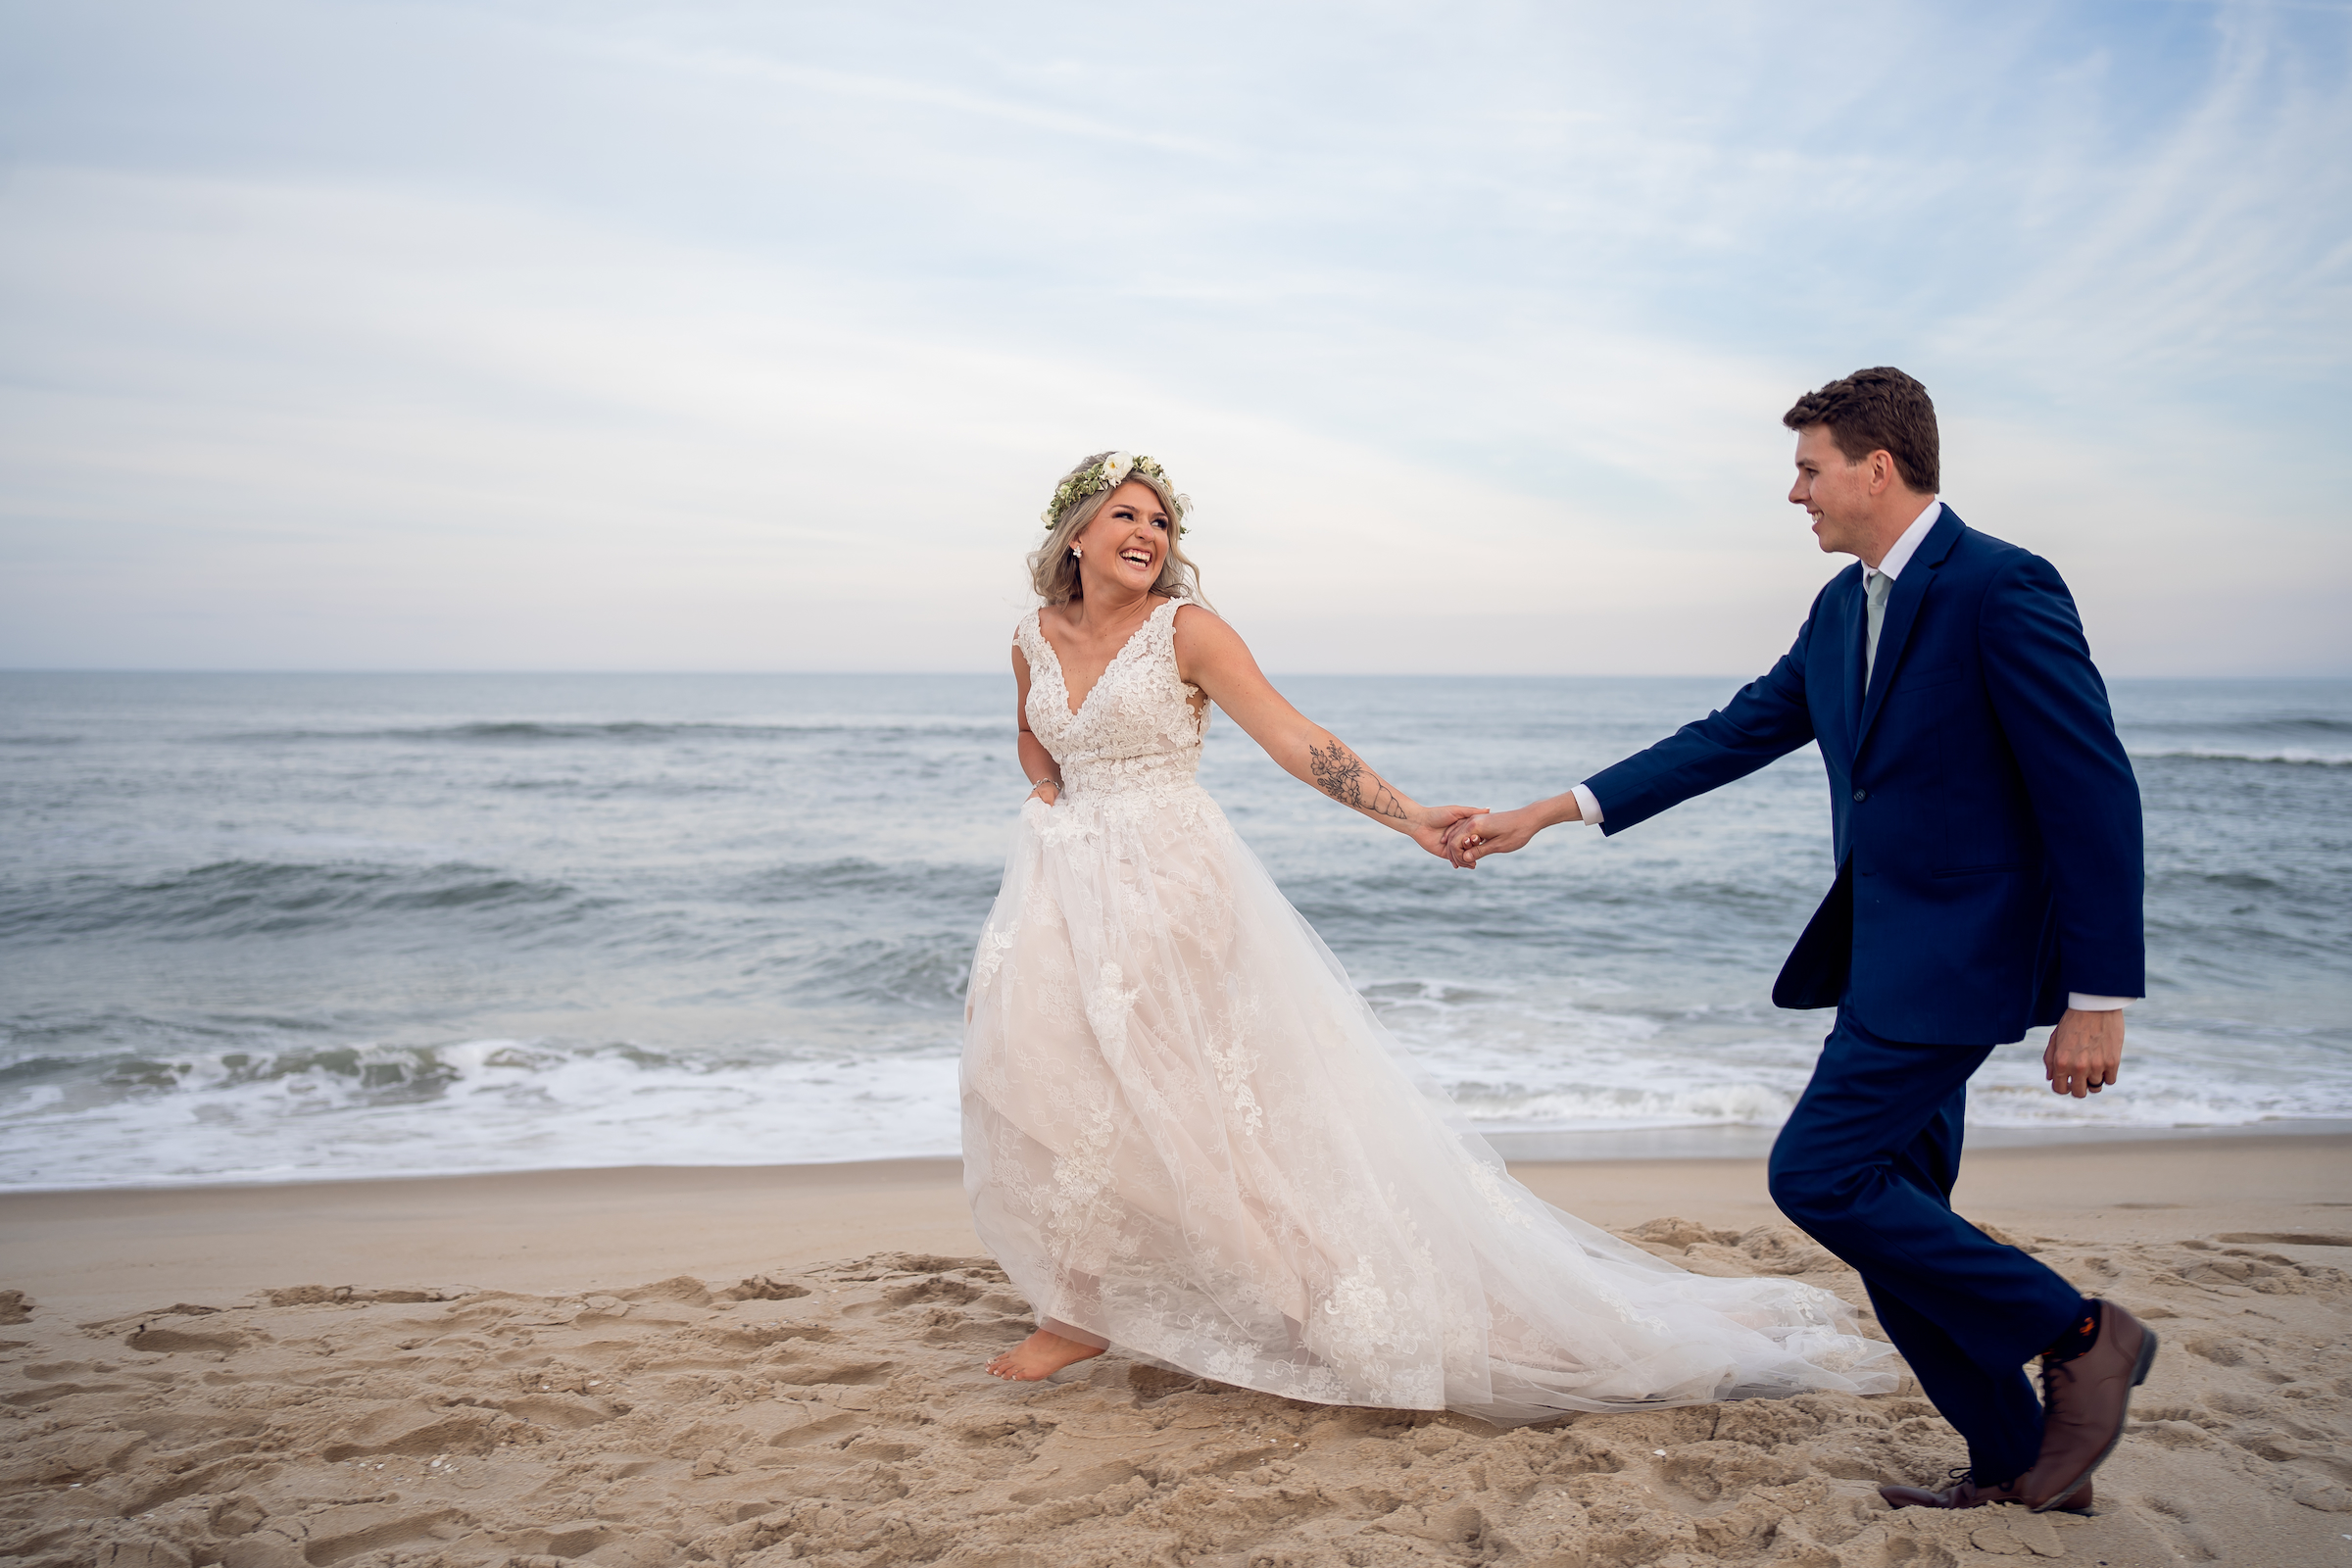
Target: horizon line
<point>1349,674</point>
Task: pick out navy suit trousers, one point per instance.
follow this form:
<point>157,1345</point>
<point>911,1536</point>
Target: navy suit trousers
<point>1865,1166</point>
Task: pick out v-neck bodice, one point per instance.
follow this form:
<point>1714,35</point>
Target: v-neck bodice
<point>1138,729</point>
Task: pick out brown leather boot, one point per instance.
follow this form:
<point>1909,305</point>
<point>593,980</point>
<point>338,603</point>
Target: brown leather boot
<point>1964,1493</point>
<point>2085,1403</point>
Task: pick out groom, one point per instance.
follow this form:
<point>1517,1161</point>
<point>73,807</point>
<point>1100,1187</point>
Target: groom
<point>1988,836</point>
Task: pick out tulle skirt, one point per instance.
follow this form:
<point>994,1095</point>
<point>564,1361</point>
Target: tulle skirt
<point>1187,1135</point>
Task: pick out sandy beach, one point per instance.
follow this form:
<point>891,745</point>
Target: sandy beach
<point>761,1365</point>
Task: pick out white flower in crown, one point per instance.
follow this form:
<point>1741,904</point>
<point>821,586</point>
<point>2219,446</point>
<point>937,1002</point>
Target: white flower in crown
<point>1116,468</point>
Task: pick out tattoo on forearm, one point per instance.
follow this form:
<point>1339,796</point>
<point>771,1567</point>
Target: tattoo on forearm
<point>1342,775</point>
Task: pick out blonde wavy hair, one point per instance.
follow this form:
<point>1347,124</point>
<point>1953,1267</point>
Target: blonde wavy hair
<point>1054,570</point>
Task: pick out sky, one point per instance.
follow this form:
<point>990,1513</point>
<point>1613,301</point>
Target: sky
<point>754,337</point>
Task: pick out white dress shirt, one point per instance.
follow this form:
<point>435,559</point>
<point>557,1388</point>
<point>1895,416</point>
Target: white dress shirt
<point>1897,557</point>
<point>1898,554</point>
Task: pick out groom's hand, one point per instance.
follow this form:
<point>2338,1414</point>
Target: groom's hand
<point>2086,1051</point>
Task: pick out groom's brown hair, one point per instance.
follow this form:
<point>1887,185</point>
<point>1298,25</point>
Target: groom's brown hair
<point>1879,408</point>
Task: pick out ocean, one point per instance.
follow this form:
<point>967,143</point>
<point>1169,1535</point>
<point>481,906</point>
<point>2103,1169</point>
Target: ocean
<point>278,927</point>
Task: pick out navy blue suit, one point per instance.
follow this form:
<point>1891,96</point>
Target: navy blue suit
<point>1988,837</point>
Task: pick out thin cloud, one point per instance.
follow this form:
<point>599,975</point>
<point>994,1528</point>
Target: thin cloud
<point>902,90</point>
<point>684,311</point>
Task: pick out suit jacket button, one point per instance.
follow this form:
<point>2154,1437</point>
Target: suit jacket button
<point>1861,795</point>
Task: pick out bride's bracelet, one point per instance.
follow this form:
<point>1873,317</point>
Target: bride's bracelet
<point>1037,784</point>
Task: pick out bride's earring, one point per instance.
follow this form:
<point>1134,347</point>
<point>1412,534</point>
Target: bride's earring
<point>1074,552</point>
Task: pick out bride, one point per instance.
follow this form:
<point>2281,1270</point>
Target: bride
<point>1184,1132</point>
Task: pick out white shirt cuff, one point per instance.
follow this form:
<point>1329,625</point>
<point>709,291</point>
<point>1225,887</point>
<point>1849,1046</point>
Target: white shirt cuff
<point>2083,1001</point>
<point>1588,804</point>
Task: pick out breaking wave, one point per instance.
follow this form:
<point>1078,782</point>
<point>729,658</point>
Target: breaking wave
<point>259,898</point>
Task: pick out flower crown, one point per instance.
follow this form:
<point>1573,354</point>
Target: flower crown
<point>1110,473</point>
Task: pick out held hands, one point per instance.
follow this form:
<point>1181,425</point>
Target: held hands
<point>1501,832</point>
<point>1493,833</point>
<point>2086,1051</point>
<point>1430,825</point>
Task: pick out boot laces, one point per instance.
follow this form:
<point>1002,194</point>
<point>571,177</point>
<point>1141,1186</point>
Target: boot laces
<point>2051,1373</point>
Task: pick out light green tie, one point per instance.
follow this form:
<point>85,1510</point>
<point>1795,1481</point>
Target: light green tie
<point>1880,585</point>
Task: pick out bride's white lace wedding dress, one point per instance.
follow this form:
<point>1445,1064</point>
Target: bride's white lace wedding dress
<point>1186,1135</point>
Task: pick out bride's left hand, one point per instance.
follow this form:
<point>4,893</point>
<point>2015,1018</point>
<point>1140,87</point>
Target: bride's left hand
<point>1428,828</point>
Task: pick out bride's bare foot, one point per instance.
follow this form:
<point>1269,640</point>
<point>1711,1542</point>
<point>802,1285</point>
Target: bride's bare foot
<point>1040,1355</point>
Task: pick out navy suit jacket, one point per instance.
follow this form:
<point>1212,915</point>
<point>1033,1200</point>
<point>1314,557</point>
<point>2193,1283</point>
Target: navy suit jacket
<point>1986,820</point>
